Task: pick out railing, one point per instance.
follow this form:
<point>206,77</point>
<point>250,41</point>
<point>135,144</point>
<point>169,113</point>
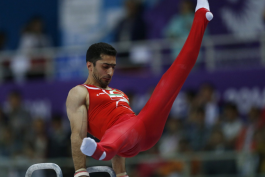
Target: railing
<point>246,162</point>
<point>217,52</point>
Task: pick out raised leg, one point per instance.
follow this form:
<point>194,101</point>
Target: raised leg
<point>157,109</point>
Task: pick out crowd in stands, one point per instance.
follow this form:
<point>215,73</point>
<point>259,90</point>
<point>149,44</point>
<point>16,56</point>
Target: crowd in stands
<point>133,27</point>
<point>205,126</point>
<point>30,137</point>
<point>24,64</point>
<point>208,126</point>
<point>136,25</point>
<point>23,136</point>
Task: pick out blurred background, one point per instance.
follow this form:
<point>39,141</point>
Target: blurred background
<point>216,126</point>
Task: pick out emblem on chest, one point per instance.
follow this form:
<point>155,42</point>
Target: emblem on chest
<point>114,95</point>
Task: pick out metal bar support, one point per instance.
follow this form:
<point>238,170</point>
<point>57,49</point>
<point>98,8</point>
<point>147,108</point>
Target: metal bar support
<point>44,166</point>
<point>97,169</point>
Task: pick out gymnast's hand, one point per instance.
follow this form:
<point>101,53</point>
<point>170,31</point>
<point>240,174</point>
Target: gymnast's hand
<point>81,173</point>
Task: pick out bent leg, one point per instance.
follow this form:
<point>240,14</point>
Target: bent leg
<point>157,109</point>
<point>122,139</point>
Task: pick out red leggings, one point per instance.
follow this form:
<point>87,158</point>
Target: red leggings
<point>132,134</point>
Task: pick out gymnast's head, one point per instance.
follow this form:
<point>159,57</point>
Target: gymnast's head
<point>101,63</point>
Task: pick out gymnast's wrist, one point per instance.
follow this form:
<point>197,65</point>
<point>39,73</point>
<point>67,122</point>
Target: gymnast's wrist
<point>81,172</point>
<point>122,175</point>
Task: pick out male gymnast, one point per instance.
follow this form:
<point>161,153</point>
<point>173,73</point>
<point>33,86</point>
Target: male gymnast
<point>105,113</point>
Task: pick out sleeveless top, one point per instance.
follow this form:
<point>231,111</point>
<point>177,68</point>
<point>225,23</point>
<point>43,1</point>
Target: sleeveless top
<point>105,108</point>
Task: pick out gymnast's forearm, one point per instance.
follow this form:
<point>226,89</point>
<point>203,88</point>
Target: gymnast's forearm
<point>79,158</point>
<point>118,164</point>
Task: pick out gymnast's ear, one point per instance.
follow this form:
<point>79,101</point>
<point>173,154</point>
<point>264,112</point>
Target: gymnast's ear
<point>89,66</point>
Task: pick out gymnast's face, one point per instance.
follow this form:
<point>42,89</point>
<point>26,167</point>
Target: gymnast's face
<point>103,70</point>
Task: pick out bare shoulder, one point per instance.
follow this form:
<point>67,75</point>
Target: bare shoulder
<point>76,106</point>
<point>77,94</point>
<point>79,90</point>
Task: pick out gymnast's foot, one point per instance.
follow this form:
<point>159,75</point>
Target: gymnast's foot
<point>89,147</point>
<point>204,4</point>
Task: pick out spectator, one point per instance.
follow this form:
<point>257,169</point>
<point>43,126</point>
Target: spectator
<point>183,104</point>
<point>175,167</point>
<point>27,151</point>
<point>3,126</point>
<point>179,26</point>
<point>132,27</point>
<point>2,40</point>
<point>232,124</point>
<point>184,147</point>
<point>32,38</point>
<point>3,120</point>
<point>170,139</point>
<point>59,145</point>
<point>259,139</point>
<point>5,70</point>
<point>197,131</point>
<point>190,97</point>
<point>217,142</point>
<point>206,98</point>
<point>18,116</point>
<point>263,115</point>
<point>218,145</point>
<point>245,140</point>
<point>9,147</point>
<point>59,139</point>
<point>38,139</point>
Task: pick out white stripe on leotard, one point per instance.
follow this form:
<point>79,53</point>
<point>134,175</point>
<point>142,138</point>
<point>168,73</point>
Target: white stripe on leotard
<point>93,88</point>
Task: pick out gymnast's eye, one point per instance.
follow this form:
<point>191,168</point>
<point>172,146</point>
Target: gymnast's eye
<point>105,67</point>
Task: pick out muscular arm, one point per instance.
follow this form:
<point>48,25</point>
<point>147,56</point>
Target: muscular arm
<point>77,113</point>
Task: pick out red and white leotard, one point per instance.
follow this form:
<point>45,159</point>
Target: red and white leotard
<point>105,108</point>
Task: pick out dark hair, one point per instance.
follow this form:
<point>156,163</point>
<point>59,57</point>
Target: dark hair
<point>94,51</point>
